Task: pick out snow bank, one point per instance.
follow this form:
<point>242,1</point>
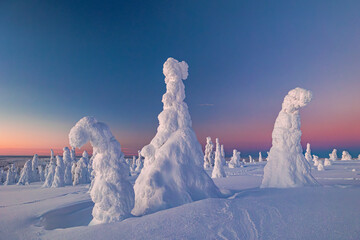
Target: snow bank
<point>287,166</point>
<point>111,192</point>
<point>173,171</point>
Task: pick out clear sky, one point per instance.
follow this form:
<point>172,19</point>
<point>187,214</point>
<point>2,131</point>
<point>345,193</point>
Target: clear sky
<point>62,60</point>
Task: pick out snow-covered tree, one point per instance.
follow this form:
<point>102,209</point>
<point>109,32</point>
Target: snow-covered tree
<point>11,175</point>
<point>133,164</point>
<point>333,155</point>
<point>81,175</point>
<point>35,176</point>
<point>222,155</point>
<point>111,192</point>
<point>316,160</point>
<point>287,166</point>
<point>346,156</point>
<point>260,157</point>
<point>320,166</point>
<point>86,156</point>
<point>173,172</point>
<point>67,165</point>
<point>139,163</point>
<point>73,167</point>
<point>41,173</point>
<point>218,171</point>
<point>73,155</point>
<point>26,174</point>
<point>308,153</point>
<point>59,173</point>
<point>251,160</point>
<point>327,162</point>
<point>209,153</point>
<point>235,159</point>
<point>2,175</point>
<point>51,168</point>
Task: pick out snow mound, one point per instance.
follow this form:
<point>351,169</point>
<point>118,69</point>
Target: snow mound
<point>287,166</point>
<point>173,171</point>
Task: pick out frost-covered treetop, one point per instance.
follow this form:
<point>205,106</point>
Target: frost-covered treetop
<point>175,114</point>
<point>295,99</point>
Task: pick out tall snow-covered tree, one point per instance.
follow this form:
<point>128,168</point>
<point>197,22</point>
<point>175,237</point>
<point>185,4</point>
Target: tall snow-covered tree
<point>81,175</point>
<point>41,173</point>
<point>59,173</point>
<point>251,160</point>
<point>26,174</point>
<point>218,171</point>
<point>346,156</point>
<point>260,157</point>
<point>287,166</point>
<point>333,155</point>
<point>111,192</point>
<point>35,176</point>
<point>73,155</point>
<point>173,172</point>
<point>209,153</point>
<point>308,154</point>
<point>67,165</point>
<point>139,162</point>
<point>222,152</point>
<point>11,175</point>
<point>50,173</point>
<point>235,159</point>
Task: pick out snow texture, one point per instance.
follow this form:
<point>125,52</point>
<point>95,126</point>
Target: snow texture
<point>209,153</point>
<point>346,156</point>
<point>173,171</point>
<point>111,192</point>
<point>218,171</point>
<point>287,166</point>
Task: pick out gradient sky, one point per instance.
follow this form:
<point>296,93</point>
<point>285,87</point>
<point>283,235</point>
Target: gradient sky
<point>62,60</point>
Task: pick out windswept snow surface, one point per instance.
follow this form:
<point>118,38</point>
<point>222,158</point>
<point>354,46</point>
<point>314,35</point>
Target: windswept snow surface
<point>328,211</point>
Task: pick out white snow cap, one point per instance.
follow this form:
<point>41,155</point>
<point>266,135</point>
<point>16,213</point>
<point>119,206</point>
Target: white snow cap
<point>111,192</point>
<point>173,166</point>
<point>346,156</point>
<point>287,166</point>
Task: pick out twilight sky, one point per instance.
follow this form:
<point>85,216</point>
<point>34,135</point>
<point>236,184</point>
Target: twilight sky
<point>62,60</point>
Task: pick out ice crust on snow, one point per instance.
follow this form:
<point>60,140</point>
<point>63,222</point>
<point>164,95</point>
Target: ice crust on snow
<point>111,192</point>
<point>287,166</point>
<point>173,171</point>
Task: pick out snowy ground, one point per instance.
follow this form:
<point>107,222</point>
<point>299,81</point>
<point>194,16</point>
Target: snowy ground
<point>329,211</point>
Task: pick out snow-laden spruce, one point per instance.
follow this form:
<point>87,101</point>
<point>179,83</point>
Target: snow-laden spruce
<point>67,164</point>
<point>26,174</point>
<point>333,155</point>
<point>308,154</point>
<point>139,163</point>
<point>251,160</point>
<point>173,171</point>
<point>287,166</point>
<point>316,160</point>
<point>346,156</point>
<point>81,174</point>
<point>320,166</point>
<point>218,171</point>
<point>133,164</point>
<point>35,176</point>
<point>50,172</point>
<point>41,173</point>
<point>11,175</point>
<point>260,157</point>
<point>111,192</point>
<point>327,162</point>
<point>73,155</point>
<point>223,155</point>
<point>209,153</point>
<point>59,173</point>
<point>235,159</point>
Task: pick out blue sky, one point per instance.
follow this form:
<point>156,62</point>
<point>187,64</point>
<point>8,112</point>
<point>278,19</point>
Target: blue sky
<point>62,60</point>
